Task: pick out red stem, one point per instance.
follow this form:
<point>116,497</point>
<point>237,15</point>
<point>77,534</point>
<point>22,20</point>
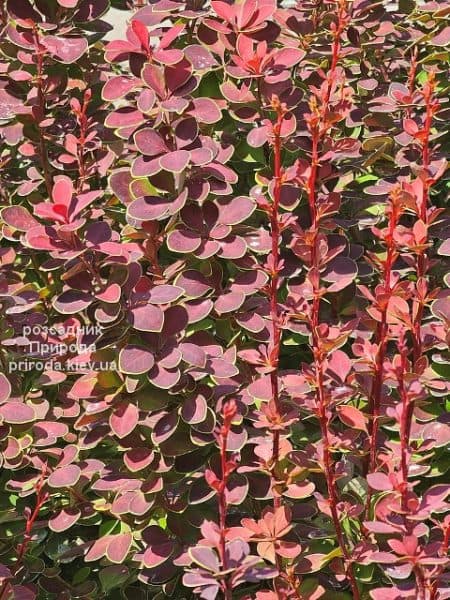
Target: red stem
<point>336,51</point>
<point>329,466</point>
<point>420,583</point>
<point>404,432</point>
<point>41,102</point>
<point>428,95</point>
<point>274,283</point>
<point>222,502</point>
<point>382,339</point>
<point>275,317</point>
<point>41,498</point>
<point>319,358</point>
<point>441,570</point>
<point>412,76</point>
<point>319,127</point>
<point>83,126</point>
<point>422,261</point>
<point>229,412</point>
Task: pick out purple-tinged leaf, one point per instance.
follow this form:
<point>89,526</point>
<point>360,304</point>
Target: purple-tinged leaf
<point>118,547</point>
<point>175,162</point>
<point>164,378</point>
<point>186,132</point>
<point>145,166</point>
<point>148,208</point>
<point>146,318</point>
<point>165,427</point>
<point>258,136</point>
<point>200,57</point>
<point>18,217</point>
<point>205,110</point>
<point>221,368</point>
<point>137,459</point>
<point>149,142</point>
<point>5,388</point>
<point>341,272</point>
<point>442,38</point>
<point>124,117</point>
<point>230,302</point>
<point>232,212</point>
<point>193,283</point>
<point>118,50</point>
<point>118,87</point>
<point>98,549</point>
<point>261,388</point>
<point>194,410</point>
<point>183,240</point>
<point>67,476</point>
<point>193,354</point>
<point>124,419</point>
<point>16,412</point>
<point>66,49</point>
<point>134,360</point>
<point>111,294</point>
<point>22,10</point>
<point>164,294</point>
<point>198,309</point>
<point>119,182</point>
<point>206,558</point>
<point>146,100</point>
<point>72,302</point>
<point>379,481</point>
<point>237,489</point>
<point>340,365</point>
<point>160,546</point>
<point>64,519</point>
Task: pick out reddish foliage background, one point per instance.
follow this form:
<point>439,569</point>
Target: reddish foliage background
<point>224,307</point>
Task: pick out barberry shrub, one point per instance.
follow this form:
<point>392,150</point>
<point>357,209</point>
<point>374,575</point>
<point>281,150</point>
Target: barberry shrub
<point>224,302</point>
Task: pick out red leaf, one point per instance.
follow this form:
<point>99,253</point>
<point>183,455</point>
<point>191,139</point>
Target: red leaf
<point>379,482</point>
<point>62,191</point>
<point>352,417</point>
<point>340,364</point>
<point>142,33</point>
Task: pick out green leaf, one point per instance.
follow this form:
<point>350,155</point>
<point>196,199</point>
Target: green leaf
<point>336,596</point>
<point>209,87</point>
<point>357,487</point>
<point>439,467</point>
<point>336,553</point>
<point>295,339</point>
<point>376,209</point>
<point>81,575</point>
<point>145,187</point>
<point>113,577</point>
<point>364,572</point>
<point>246,153</point>
<point>442,369</point>
<point>365,178</point>
<point>201,325</point>
<point>308,587</point>
<point>109,527</point>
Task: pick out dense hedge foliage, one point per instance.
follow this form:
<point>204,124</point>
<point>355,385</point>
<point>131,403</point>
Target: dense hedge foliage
<point>224,303</point>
